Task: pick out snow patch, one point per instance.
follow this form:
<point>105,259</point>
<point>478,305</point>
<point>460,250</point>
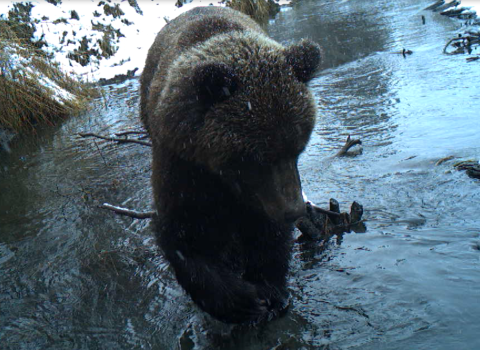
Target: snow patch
<point>59,27</point>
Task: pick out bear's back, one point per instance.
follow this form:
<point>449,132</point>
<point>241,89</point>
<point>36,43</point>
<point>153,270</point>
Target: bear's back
<point>181,34</point>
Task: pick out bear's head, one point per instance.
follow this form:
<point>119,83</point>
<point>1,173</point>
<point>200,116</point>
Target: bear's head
<point>239,107</point>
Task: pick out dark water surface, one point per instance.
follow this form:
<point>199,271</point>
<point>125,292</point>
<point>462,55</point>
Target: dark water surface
<point>76,277</point>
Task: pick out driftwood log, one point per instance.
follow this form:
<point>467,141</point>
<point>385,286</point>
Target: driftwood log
<point>471,167</point>
<point>321,224</point>
<point>461,44</point>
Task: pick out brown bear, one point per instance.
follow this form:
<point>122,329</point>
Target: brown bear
<point>229,113</point>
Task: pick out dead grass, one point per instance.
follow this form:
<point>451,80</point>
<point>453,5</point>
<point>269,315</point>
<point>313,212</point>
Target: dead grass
<point>30,86</point>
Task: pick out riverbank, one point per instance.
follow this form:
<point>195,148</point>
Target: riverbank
<point>34,89</point>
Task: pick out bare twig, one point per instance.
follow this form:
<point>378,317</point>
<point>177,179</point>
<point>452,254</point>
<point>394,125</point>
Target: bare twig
<point>125,133</point>
<point>449,42</point>
<point>114,139</point>
<point>127,212</point>
<point>100,152</point>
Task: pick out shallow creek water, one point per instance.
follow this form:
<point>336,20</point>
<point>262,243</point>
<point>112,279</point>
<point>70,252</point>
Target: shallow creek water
<point>73,276</point>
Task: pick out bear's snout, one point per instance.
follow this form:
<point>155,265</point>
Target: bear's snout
<point>280,193</point>
<point>296,211</point>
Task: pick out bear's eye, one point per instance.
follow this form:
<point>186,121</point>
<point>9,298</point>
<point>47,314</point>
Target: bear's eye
<point>214,83</point>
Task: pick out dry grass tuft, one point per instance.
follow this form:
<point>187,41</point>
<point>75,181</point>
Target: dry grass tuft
<point>33,89</point>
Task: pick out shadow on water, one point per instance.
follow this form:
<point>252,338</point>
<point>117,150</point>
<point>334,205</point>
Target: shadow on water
<point>75,277</point>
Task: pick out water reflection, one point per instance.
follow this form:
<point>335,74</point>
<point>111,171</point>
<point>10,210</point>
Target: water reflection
<point>361,104</point>
<point>346,30</point>
<point>389,288</point>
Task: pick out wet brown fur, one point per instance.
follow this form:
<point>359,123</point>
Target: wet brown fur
<point>228,112</point>
<point>177,37</point>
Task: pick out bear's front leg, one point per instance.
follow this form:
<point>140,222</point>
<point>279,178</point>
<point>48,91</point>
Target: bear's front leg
<point>268,265</point>
<point>219,292</point>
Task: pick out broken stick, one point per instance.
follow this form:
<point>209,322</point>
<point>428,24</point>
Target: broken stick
<point>348,144</point>
<point>116,139</point>
<point>128,212</point>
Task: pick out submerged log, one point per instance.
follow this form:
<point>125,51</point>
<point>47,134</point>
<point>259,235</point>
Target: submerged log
<point>321,224</point>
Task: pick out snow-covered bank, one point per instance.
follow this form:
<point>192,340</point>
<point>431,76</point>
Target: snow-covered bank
<point>33,89</point>
<point>116,34</point>
<point>134,29</point>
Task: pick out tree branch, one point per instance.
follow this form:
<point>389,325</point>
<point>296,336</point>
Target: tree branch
<point>125,133</point>
<point>127,212</point>
<point>114,139</point>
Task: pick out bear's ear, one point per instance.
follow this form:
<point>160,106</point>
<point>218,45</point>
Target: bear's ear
<point>305,58</point>
<point>213,82</point>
